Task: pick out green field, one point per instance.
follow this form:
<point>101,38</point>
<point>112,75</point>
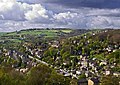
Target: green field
<point>2,33</point>
<point>66,31</point>
<point>46,33</point>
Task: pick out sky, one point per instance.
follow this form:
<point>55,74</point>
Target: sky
<point>76,14</point>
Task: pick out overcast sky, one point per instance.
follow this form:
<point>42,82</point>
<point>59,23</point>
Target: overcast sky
<point>83,14</point>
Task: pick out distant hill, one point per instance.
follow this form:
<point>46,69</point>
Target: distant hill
<point>111,35</point>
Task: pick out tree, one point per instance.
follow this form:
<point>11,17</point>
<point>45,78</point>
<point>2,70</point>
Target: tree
<point>43,75</point>
<point>110,80</point>
<point>53,51</point>
<point>82,76</point>
<point>57,79</point>
<point>66,55</point>
<point>11,77</point>
<point>114,57</point>
<point>46,53</point>
<point>38,75</point>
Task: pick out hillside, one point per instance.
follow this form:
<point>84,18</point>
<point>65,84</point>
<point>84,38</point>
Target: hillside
<point>112,35</point>
<point>74,54</point>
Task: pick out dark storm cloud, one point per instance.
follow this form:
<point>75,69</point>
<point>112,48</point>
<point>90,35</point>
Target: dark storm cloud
<point>25,14</point>
<point>106,4</point>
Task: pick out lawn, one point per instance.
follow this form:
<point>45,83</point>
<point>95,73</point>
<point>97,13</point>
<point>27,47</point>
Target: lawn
<point>66,31</point>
